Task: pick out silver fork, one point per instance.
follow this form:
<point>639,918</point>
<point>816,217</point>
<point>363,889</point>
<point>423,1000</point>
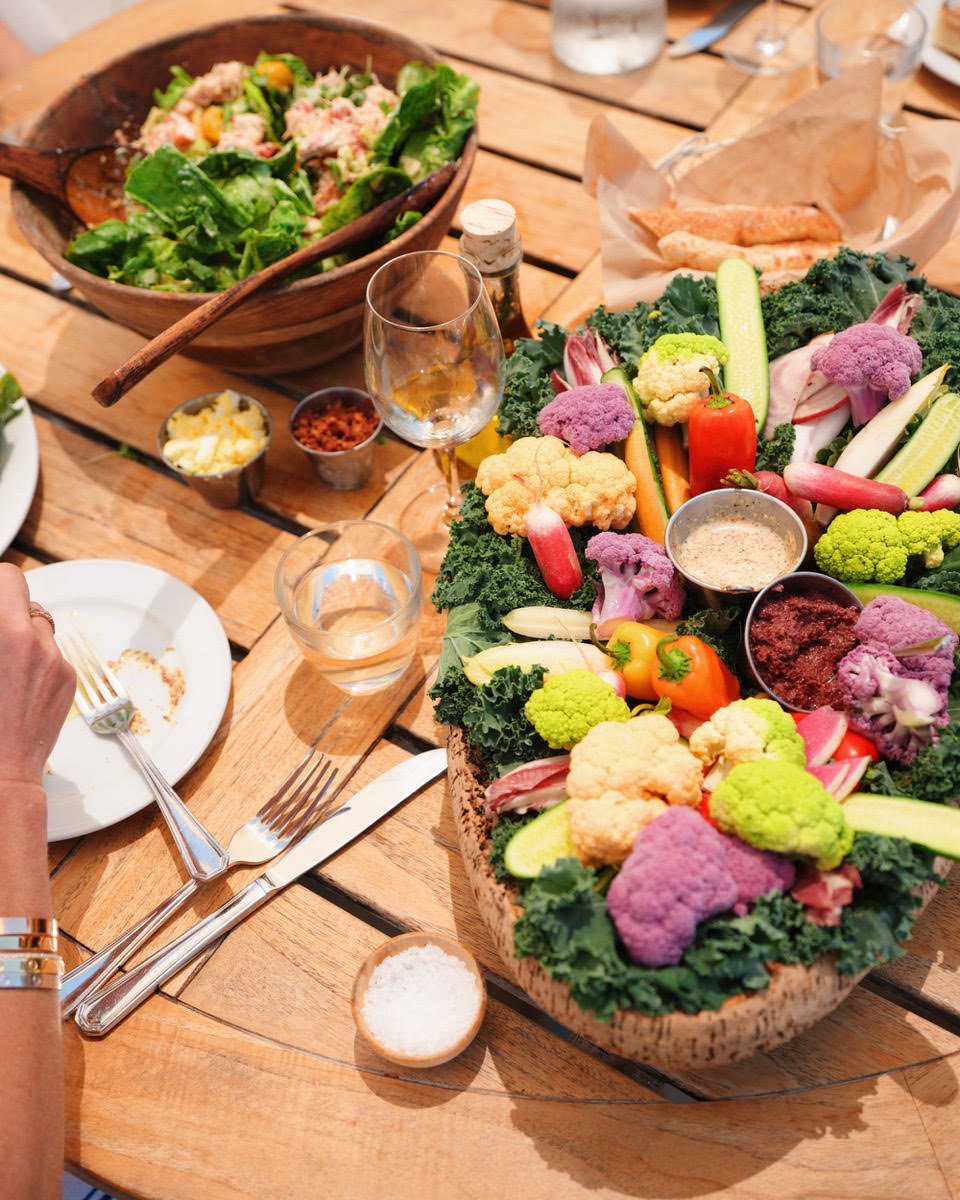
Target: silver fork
<point>107,709</point>
<point>296,804</point>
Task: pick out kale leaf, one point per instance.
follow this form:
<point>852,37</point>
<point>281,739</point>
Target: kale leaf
<point>499,573</point>
<point>623,332</point>
<point>774,453</point>
<point>527,386</point>
<point>687,305</point>
<point>495,723</point>
<point>720,628</point>
<point>834,294</point>
<point>566,926</point>
<point>933,775</point>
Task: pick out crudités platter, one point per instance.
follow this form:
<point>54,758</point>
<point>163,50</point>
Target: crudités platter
<point>699,797</point>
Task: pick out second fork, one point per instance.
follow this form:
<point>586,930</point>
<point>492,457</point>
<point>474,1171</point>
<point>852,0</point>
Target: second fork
<point>293,807</point>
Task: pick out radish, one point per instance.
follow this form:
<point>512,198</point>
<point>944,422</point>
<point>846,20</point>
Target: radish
<point>538,784</point>
<point>819,399</point>
<point>841,490</point>
<point>943,492</point>
<point>840,778</point>
<point>773,485</point>
<point>822,731</point>
<point>813,436</point>
<point>616,681</point>
<point>789,375</point>
<point>553,549</point>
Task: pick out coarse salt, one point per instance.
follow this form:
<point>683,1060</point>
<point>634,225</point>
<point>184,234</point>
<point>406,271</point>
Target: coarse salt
<point>420,1001</point>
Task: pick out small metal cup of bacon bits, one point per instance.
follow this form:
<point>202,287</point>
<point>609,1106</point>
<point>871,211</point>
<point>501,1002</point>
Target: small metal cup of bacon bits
<point>337,429</point>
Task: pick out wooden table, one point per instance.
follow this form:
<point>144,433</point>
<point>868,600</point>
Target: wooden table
<point>244,1077</point>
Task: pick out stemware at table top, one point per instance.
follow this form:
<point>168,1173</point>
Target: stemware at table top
<point>434,365</point>
<point>767,43</point>
<point>851,33</point>
<point>352,597</point>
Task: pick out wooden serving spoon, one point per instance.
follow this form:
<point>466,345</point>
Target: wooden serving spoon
<point>419,197</point>
<point>88,180</point>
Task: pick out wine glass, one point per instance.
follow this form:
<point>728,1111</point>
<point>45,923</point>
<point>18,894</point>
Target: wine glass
<point>764,44</point>
<point>434,365</point>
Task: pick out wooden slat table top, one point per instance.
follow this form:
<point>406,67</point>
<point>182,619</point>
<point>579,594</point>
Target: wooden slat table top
<point>244,1076</point>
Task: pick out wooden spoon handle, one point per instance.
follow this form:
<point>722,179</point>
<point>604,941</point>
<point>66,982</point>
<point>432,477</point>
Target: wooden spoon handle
<point>43,170</point>
<point>109,390</point>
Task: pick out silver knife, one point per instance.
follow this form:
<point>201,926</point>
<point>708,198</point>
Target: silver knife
<point>104,1009</point>
<point>716,28</point>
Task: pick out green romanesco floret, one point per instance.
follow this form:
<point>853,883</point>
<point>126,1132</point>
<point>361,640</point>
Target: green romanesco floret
<point>780,806</point>
<point>930,534</point>
<point>868,546</point>
<point>568,706</point>
<point>745,731</point>
<point>863,546</point>
<point>669,379</point>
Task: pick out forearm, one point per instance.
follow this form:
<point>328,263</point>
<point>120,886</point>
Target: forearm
<point>31,1082</point>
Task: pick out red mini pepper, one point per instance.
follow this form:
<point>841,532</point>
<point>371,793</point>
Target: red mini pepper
<point>692,676</point>
<point>723,436</point>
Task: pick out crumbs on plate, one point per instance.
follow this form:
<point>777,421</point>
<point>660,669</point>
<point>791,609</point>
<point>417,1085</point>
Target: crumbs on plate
<point>170,677</point>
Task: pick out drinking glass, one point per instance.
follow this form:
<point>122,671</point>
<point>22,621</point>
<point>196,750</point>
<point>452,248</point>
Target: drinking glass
<point>607,37</point>
<point>352,597</point>
<point>850,33</point>
<point>765,44</point>
<point>434,365</point>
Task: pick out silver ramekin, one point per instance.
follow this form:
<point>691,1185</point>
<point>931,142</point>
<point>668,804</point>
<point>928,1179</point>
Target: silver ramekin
<point>233,487</point>
<point>342,470</point>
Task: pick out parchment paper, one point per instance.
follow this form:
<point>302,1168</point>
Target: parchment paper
<point>824,149</point>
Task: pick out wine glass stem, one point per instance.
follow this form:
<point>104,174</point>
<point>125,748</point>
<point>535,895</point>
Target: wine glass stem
<point>770,38</point>
<point>446,457</point>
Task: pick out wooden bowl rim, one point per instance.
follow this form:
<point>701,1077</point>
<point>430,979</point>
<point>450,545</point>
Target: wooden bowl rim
<point>22,199</point>
<point>396,945</point>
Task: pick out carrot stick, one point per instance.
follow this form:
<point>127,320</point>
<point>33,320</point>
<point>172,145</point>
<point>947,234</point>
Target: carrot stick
<point>672,457</point>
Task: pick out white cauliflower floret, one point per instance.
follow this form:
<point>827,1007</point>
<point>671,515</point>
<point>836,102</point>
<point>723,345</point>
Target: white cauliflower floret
<point>590,489</point>
<point>744,732</point>
<point>669,377</point>
<point>622,776</point>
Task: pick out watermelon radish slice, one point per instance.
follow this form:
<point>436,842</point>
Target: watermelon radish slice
<point>840,778</point>
<point>822,732</point>
<point>534,784</point>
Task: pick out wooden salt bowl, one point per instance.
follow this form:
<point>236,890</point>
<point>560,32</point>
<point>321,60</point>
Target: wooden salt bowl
<point>797,997</point>
<point>300,324</point>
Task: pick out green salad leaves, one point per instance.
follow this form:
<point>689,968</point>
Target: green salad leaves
<point>10,393</point>
<point>203,218</point>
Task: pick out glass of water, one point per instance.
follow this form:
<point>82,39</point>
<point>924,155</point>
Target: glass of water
<point>851,33</point>
<point>352,598</point>
<point>607,37</point>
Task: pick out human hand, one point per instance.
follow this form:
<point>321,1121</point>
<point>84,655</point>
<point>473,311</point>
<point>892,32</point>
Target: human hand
<point>38,685</point>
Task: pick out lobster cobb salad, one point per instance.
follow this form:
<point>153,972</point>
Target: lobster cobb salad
<point>240,166</point>
<point>673,817</point>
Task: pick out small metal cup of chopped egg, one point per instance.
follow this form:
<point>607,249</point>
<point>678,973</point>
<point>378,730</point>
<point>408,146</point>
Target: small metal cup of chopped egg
<point>217,443</point>
<point>419,999</point>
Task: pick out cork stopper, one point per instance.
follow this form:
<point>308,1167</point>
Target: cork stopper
<point>490,237</point>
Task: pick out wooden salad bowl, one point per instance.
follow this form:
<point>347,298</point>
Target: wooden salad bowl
<point>797,997</point>
<point>299,324</point>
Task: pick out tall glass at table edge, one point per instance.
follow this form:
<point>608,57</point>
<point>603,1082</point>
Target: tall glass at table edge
<point>478,311</point>
<point>763,43</point>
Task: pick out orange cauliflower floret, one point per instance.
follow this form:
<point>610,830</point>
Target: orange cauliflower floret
<point>587,489</point>
<point>622,776</point>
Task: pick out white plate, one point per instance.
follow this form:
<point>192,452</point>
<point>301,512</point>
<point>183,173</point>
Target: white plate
<point>90,781</point>
<point>19,468</point>
<point>937,61</point>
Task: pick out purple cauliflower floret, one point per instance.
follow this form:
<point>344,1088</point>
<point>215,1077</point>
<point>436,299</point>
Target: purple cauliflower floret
<point>675,877</point>
<point>873,362</point>
<point>896,624</point>
<point>588,418</point>
<point>899,711</point>
<point>756,872</point>
<point>637,581</point>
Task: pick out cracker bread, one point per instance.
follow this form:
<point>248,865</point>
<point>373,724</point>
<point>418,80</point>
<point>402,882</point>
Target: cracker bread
<point>706,254</point>
<point>742,224</point>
